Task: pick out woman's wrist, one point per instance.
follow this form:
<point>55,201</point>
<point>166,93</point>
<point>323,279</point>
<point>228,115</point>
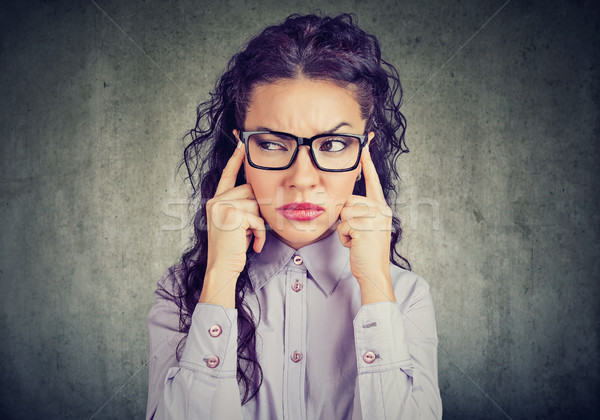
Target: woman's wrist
<point>376,290</point>
<point>219,288</point>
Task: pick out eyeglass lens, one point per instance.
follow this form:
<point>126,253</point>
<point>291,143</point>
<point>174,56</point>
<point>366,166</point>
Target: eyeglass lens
<point>276,151</point>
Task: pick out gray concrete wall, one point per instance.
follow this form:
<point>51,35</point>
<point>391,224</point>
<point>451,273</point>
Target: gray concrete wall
<point>499,192</point>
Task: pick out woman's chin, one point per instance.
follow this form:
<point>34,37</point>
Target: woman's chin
<point>298,238</point>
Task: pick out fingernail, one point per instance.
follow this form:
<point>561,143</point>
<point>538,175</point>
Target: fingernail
<point>239,145</point>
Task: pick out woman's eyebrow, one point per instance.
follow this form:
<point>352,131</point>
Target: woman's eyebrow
<point>332,130</point>
<point>337,127</point>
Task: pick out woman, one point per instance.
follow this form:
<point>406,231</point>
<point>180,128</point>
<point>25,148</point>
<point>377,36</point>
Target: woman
<point>287,305</point>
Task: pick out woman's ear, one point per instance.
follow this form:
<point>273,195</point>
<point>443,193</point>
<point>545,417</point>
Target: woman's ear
<point>236,134</point>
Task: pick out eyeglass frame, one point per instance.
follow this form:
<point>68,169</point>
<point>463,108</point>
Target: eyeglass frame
<point>303,141</point>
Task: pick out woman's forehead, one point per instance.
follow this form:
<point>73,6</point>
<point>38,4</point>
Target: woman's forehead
<point>302,106</point>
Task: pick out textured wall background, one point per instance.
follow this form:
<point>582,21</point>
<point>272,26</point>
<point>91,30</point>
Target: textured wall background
<point>499,192</point>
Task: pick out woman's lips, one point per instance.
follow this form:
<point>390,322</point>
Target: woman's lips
<point>301,211</point>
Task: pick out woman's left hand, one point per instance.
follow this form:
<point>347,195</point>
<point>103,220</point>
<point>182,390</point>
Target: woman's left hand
<point>365,227</point>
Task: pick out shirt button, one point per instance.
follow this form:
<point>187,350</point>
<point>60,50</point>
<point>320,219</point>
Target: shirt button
<point>215,330</point>
<point>212,362</point>
<point>297,260</point>
<point>296,356</point>
<point>297,286</point>
<point>369,357</point>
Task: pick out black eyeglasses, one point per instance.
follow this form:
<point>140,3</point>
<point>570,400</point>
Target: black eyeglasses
<point>275,150</point>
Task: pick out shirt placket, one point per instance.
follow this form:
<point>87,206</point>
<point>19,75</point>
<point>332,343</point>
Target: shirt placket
<point>295,341</point>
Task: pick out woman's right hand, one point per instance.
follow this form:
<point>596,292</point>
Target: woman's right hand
<point>232,217</point>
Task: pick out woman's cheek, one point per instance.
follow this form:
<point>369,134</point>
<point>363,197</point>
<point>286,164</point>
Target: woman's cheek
<point>265,191</point>
<point>344,186</point>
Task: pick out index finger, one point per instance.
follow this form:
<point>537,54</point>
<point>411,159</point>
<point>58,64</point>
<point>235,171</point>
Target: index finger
<point>372,183</point>
<point>231,170</point>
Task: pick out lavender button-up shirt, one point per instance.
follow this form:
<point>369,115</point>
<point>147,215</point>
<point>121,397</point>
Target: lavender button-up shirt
<point>323,356</point>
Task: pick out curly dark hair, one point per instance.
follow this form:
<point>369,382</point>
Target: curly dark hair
<point>317,47</point>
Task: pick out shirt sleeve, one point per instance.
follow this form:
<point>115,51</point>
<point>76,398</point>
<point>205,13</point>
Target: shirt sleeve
<point>396,352</point>
<point>203,384</point>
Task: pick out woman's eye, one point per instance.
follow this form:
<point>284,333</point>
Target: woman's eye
<point>272,145</point>
<point>333,145</point>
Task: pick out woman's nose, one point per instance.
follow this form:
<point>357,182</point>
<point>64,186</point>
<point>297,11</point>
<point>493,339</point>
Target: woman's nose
<point>304,174</point>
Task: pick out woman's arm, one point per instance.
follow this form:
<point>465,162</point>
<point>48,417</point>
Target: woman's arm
<point>203,384</point>
<point>396,350</point>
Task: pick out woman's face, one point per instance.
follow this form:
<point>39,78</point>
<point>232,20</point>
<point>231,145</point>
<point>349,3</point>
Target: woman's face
<point>304,108</point>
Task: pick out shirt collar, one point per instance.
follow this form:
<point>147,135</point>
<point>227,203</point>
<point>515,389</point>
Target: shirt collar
<point>326,261</point>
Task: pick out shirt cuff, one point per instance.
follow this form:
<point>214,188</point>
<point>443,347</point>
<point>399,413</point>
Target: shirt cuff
<point>380,339</point>
<point>211,345</point>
